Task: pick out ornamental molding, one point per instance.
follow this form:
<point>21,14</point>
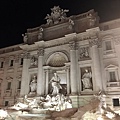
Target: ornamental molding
<point>94,41</point>
<point>117,41</point>
<point>9,78</point>
<point>26,55</point>
<point>73,45</point>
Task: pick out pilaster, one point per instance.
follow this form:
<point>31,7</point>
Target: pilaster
<point>117,49</point>
<point>97,81</point>
<point>25,78</point>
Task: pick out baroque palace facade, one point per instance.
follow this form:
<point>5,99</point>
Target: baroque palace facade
<point>84,53</point>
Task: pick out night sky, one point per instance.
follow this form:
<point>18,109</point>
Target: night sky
<point>18,15</point>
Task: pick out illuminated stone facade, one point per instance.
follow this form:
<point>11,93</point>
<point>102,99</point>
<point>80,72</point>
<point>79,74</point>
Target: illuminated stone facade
<point>83,52</point>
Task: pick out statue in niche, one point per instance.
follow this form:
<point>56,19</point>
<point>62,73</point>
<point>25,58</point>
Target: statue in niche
<point>33,61</point>
<point>40,33</point>
<point>86,80</point>
<point>55,82</point>
<point>56,16</point>
<point>33,85</point>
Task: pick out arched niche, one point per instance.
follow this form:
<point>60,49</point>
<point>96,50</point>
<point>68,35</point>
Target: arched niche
<point>57,59</point>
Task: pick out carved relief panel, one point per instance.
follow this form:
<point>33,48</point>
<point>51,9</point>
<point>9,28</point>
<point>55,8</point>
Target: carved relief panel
<point>84,53</point>
<point>33,61</point>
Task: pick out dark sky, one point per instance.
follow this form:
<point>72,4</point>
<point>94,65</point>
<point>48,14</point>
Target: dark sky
<point>18,15</point>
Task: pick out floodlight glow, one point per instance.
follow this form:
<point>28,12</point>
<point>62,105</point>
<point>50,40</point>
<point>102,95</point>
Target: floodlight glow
<point>3,114</point>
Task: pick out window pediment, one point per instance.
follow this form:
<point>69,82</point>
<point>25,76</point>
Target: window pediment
<point>9,78</point>
<point>111,66</point>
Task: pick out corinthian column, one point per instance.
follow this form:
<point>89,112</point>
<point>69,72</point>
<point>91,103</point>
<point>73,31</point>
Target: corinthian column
<point>73,68</point>
<point>94,44</point>
<point>46,70</point>
<point>40,81</point>
<point>25,79</point>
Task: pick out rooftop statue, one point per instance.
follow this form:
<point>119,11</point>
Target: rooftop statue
<point>56,15</point>
<point>25,37</point>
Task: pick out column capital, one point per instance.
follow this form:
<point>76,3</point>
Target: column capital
<point>94,41</point>
<point>40,51</point>
<point>26,55</point>
<point>73,45</point>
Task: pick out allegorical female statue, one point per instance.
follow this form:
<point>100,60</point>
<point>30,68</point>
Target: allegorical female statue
<point>55,82</point>
<point>86,80</point>
<point>33,84</point>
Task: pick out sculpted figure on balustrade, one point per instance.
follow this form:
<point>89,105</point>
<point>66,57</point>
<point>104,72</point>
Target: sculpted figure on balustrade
<point>57,15</point>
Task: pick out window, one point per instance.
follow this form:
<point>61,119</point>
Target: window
<point>19,84</point>
<point>116,102</point>
<point>112,76</point>
<point>6,103</point>
<point>108,45</point>
<point>11,63</point>
<point>21,61</point>
<point>1,64</point>
<point>8,85</point>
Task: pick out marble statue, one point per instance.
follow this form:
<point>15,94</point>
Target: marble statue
<point>27,104</point>
<point>56,15</point>
<point>33,84</point>
<point>86,80</point>
<point>55,82</point>
<point>40,33</point>
<point>92,19</point>
<point>71,24</point>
